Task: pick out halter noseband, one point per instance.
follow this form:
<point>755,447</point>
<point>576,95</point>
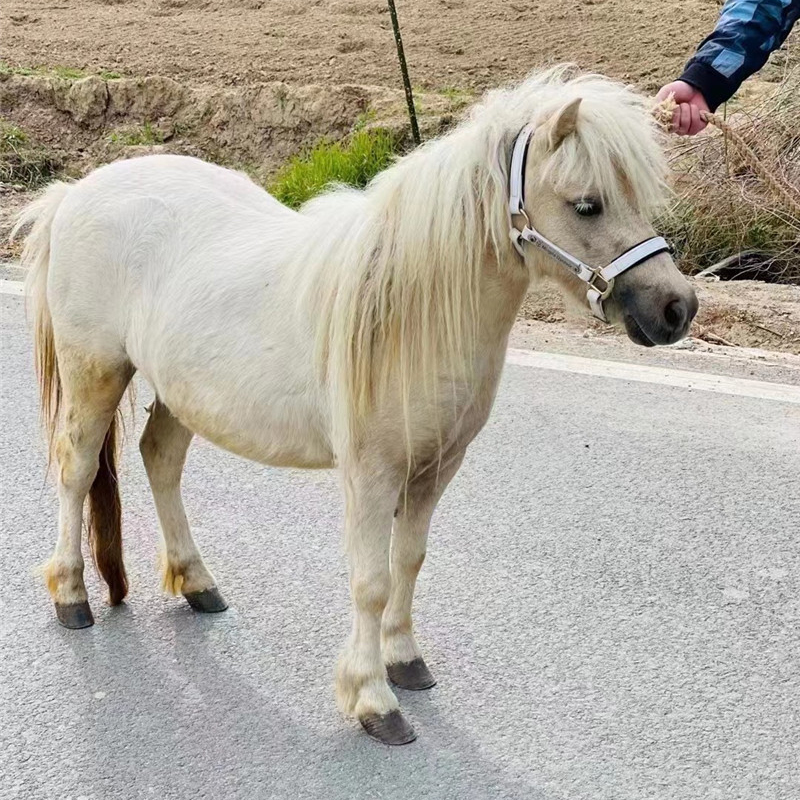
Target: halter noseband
<point>600,280</point>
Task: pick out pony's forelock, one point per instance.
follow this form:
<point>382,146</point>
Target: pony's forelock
<point>616,148</point>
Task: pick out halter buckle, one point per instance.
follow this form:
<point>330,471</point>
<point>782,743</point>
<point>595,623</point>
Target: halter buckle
<point>597,274</point>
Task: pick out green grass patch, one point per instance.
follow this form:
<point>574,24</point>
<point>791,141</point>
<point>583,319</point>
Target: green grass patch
<point>458,97</point>
<point>364,119</point>
<point>8,69</point>
<point>353,162</point>
<point>67,73</point>
<point>143,135</point>
<point>429,101</point>
<point>21,162</point>
<point>12,137</point>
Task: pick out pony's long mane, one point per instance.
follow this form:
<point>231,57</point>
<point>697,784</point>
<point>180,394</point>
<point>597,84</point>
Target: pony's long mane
<point>392,273</point>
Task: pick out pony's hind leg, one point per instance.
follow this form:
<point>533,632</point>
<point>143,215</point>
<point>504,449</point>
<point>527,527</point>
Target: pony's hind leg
<point>404,663</point>
<point>84,451</point>
<point>361,687</point>
<point>163,445</point>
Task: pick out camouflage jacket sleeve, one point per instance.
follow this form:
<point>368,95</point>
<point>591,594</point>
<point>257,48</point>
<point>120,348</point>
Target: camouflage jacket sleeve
<point>747,32</point>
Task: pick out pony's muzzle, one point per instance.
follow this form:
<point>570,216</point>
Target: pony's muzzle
<point>656,305</point>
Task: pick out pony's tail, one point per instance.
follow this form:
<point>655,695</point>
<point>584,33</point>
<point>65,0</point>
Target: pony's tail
<point>105,520</point>
<point>105,515</point>
<point>36,257</point>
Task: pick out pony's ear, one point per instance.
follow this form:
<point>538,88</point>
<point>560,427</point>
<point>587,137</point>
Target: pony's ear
<point>563,123</point>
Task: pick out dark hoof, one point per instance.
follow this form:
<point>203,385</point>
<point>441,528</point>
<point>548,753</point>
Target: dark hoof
<point>74,615</point>
<point>413,675</point>
<point>391,728</point>
<point>209,601</point>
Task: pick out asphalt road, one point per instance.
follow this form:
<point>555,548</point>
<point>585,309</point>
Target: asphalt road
<point>611,604</point>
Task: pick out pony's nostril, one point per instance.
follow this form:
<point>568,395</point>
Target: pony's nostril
<point>676,313</point>
<point>694,305</point>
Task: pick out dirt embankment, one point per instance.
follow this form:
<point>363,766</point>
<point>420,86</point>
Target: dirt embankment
<point>93,120</point>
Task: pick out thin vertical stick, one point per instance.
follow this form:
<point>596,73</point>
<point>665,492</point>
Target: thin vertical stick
<point>412,113</point>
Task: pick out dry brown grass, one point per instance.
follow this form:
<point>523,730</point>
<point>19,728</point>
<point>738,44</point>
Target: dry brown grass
<point>722,206</point>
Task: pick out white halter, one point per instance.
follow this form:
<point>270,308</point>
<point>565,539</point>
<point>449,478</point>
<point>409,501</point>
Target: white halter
<point>595,294</point>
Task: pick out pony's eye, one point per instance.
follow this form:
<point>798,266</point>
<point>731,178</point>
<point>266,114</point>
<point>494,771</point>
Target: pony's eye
<point>588,208</point>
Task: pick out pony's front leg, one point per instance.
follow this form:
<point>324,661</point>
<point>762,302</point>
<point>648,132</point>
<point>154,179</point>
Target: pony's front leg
<point>361,687</point>
<point>404,663</point>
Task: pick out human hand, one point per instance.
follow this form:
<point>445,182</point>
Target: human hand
<point>686,119</point>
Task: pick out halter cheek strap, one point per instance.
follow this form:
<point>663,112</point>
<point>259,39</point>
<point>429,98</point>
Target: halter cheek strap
<point>600,280</point>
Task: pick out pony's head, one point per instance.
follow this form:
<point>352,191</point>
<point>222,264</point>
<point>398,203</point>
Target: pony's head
<point>591,179</point>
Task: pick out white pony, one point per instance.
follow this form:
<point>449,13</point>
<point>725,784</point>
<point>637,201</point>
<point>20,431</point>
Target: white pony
<point>367,332</point>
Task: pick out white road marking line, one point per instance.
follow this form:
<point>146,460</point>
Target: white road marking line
<point>12,287</point>
<point>642,373</point>
<point>701,381</point>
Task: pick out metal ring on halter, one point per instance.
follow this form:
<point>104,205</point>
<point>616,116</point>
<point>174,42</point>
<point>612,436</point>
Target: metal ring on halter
<point>597,274</point>
<point>632,257</point>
